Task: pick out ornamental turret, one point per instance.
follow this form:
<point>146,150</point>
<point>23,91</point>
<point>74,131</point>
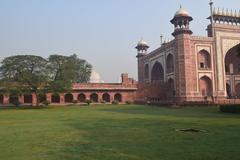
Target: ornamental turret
<point>181,22</point>
<point>142,48</point>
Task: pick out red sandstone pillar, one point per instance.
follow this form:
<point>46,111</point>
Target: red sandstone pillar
<point>124,98</point>
<point>75,96</point>
<point>111,97</point>
<point>34,99</point>
<point>6,99</point>
<point>62,101</point>
<point>49,97</point>
<point>87,96</point>
<point>100,99</point>
<point>21,99</point>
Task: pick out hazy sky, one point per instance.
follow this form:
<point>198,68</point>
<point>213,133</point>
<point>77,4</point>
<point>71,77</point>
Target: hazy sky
<point>104,32</point>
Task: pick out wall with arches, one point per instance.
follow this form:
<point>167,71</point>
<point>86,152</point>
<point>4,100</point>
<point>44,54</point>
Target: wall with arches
<point>96,92</point>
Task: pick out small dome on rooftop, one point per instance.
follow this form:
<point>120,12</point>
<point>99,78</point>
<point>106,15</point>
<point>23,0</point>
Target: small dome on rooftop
<point>142,43</point>
<point>181,12</point>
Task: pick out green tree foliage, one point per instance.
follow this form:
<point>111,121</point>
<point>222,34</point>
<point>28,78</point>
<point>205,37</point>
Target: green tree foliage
<point>23,74</point>
<point>34,74</point>
<point>67,70</point>
<point>82,69</point>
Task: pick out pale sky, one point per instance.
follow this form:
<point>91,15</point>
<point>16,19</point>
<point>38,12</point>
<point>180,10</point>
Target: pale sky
<point>104,32</point>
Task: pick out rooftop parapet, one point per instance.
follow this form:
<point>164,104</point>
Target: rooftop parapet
<point>226,16</point>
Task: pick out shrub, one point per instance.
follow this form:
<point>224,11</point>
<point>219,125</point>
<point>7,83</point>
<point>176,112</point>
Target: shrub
<point>75,101</point>
<point>46,103</point>
<point>230,108</point>
<point>115,102</point>
<point>129,102</point>
<point>88,101</point>
<point>16,102</point>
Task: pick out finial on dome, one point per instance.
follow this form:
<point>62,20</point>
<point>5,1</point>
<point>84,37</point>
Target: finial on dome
<point>181,12</point>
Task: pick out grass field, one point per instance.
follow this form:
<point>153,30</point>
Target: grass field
<point>118,133</point>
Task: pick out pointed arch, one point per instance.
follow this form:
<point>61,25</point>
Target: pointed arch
<point>13,98</point>
<point>118,97</point>
<point>205,86</point>
<point>204,59</point>
<point>81,97</point>
<point>42,98</point>
<point>94,97</point>
<point>68,98</point>
<point>55,98</point>
<point>28,98</point>
<point>157,73</point>
<point>232,61</point>
<point>170,63</point>
<point>106,97</point>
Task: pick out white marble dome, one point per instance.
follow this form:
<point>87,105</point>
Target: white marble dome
<point>181,12</point>
<point>95,77</point>
<point>142,43</point>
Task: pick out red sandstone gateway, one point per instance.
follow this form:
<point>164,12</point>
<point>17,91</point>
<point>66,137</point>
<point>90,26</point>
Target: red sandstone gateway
<point>187,69</point>
<point>193,69</point>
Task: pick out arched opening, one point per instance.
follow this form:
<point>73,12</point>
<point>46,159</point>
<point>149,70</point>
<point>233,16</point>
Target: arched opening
<point>232,70</point>
<point>42,98</point>
<point>228,88</point>
<point>237,90</point>
<point>55,98</point>
<point>232,61</point>
<point>28,98</point>
<point>204,60</point>
<point>170,87</point>
<point>94,97</point>
<point>106,97</point>
<point>170,64</point>
<point>81,97</point>
<point>1,98</point>
<point>157,73</point>
<point>205,86</point>
<point>68,98</point>
<point>146,71</point>
<point>13,98</point>
<point>118,97</point>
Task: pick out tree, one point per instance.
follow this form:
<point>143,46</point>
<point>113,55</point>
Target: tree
<point>69,68</point>
<point>34,74</point>
<point>82,69</point>
<point>24,74</point>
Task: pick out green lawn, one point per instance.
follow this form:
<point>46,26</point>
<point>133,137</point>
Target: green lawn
<point>118,133</point>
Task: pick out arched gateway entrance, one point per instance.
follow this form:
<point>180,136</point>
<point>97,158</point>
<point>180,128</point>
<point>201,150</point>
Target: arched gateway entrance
<point>157,74</point>
<point>232,71</point>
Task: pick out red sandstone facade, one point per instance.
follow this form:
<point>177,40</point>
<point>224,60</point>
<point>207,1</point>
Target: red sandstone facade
<point>193,69</point>
<point>96,92</point>
<point>188,69</point>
